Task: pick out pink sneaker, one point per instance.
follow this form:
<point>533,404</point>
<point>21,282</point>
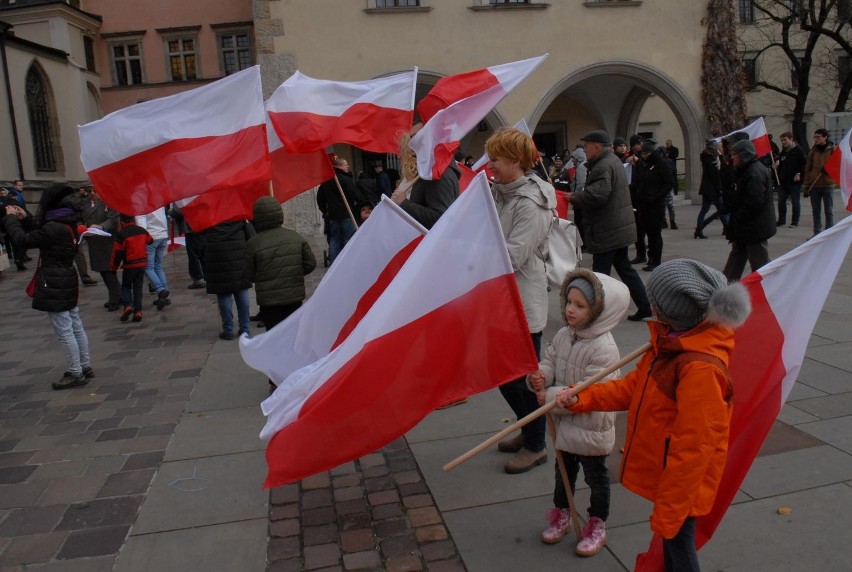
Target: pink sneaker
<point>594,537</point>
<point>560,525</point>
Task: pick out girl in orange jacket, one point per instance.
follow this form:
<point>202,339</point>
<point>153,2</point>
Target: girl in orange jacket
<point>678,401</point>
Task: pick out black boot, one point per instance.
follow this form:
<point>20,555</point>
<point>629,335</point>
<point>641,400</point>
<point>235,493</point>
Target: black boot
<point>698,234</point>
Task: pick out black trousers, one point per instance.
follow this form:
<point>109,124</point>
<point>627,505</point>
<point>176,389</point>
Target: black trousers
<point>596,475</point>
<point>131,287</point>
<point>273,315</point>
<point>113,287</point>
<point>196,246</point>
<point>523,402</point>
<point>603,262</point>
<point>679,554</point>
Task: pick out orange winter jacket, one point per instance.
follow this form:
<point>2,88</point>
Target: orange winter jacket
<point>679,401</point>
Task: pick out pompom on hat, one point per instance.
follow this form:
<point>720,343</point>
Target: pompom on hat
<point>686,292</point>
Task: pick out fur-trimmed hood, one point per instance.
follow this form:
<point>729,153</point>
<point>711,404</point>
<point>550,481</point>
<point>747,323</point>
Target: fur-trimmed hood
<point>612,300</point>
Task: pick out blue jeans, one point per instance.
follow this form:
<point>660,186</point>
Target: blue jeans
<point>226,313</point>
<point>523,402</point>
<point>822,198</point>
<point>339,233</point>
<point>706,203</point>
<point>679,554</point>
<point>69,327</point>
<point>792,192</point>
<point>154,271</point>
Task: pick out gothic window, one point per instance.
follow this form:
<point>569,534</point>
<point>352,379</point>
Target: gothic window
<point>38,107</point>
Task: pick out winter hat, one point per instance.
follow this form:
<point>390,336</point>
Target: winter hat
<point>579,154</point>
<point>685,292</point>
<point>745,149</point>
<point>711,143</point>
<point>599,136</point>
<point>738,136</point>
<point>648,146</point>
<point>585,287</point>
<point>618,141</point>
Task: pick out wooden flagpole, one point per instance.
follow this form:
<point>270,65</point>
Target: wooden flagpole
<point>342,194</point>
<point>547,407</point>
<point>551,428</point>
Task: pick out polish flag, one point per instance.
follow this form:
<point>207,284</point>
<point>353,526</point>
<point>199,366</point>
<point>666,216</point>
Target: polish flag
<point>425,342</point>
<point>358,276</point>
<point>452,88</point>
<point>209,209</point>
<point>839,168</point>
<point>436,143</point>
<point>295,173</point>
<point>157,152</point>
<point>311,114</point>
<point>787,296</point>
<point>756,131</point>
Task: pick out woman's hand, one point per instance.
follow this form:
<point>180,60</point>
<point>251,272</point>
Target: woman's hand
<point>398,197</point>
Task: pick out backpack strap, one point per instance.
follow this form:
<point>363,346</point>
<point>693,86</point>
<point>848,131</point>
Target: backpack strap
<point>675,365</point>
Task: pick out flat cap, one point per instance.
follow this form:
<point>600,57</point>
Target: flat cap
<point>598,136</point>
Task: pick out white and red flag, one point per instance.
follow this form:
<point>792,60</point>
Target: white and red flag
<point>311,114</point>
<point>757,134</point>
<point>427,340</point>
<point>839,168</point>
<point>482,163</point>
<point>157,152</point>
<point>787,296</point>
<point>357,278</point>
<point>436,143</point>
<point>295,173</point>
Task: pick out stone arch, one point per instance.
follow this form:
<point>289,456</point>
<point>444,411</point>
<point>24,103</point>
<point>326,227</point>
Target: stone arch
<point>43,121</point>
<point>93,103</point>
<point>623,114</point>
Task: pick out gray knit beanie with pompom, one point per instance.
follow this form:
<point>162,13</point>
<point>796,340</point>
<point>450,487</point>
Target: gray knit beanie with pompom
<point>685,292</point>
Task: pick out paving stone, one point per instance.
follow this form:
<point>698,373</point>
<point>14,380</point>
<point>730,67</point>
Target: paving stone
<point>31,520</point>
<point>373,472</point>
<point>318,481</point>
<point>413,489</point>
<point>423,516</point>
<point>393,527</point>
<point>440,550</point>
<point>321,556</point>
<point>21,494</point>
<point>379,484</point>
<point>127,483</point>
<point>58,418</point>
<point>403,465</point>
<point>315,535</point>
<point>33,549</point>
<point>351,507</point>
<point>284,511</point>
<point>15,459</point>
<point>67,490</point>
<point>430,533</point>
<point>118,434</point>
<point>285,528</point>
<point>280,548</point>
<point>65,428</point>
<point>292,565</point>
<point>165,429</point>
<point>346,481</point>
<point>374,460</point>
<point>98,513</point>
<point>404,564</point>
<point>407,477</point>
<point>284,494</point>
<point>452,565</point>
<point>93,542</point>
<point>386,511</point>
<point>354,521</point>
<point>418,501</point>
<point>344,469</point>
<point>317,516</point>
<point>12,475</point>
<point>401,545</point>
<point>316,498</point>
<point>357,540</point>
<point>136,461</point>
<point>369,560</point>
<point>144,444</point>
<point>383,497</point>
<point>106,465</point>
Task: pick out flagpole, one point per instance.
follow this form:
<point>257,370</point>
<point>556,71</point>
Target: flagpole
<point>563,471</point>
<point>774,168</point>
<point>546,407</point>
<point>271,190</point>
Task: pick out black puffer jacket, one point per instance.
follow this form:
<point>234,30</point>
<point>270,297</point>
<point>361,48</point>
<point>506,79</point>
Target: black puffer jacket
<point>56,279</point>
<point>277,259</point>
<point>225,258</point>
<point>752,213</point>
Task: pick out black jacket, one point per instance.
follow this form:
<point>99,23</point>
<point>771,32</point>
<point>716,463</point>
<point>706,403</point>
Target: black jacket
<point>752,212</point>
<point>711,175</point>
<point>430,199</point>
<point>328,196</point>
<point>225,257</point>
<point>56,279</point>
<point>656,184</point>
<point>791,162</point>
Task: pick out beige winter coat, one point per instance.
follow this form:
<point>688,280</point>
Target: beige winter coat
<point>524,208</point>
<point>577,354</point>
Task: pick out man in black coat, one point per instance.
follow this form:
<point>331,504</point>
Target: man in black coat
<point>752,221</point>
<point>791,173</point>
<point>340,225</point>
<point>651,195</point>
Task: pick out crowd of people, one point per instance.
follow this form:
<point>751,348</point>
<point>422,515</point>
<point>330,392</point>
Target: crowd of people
<point>679,397</point>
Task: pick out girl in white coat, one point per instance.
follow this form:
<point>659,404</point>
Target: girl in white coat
<point>592,304</point>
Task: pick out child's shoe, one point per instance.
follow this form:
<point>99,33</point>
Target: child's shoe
<point>594,537</point>
<point>137,316</point>
<point>125,315</point>
<point>560,525</point>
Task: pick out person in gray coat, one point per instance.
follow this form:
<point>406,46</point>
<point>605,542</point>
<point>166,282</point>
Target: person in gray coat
<point>608,223</point>
<point>99,216</point>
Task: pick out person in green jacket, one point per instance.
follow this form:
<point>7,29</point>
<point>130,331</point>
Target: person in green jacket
<point>277,261</point>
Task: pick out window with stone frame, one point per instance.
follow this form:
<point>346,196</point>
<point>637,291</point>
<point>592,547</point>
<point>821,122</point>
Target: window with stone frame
<point>750,71</point>
<point>127,62</point>
<point>89,51</point>
<point>181,58</point>
<point>41,128</point>
<point>396,3</point>
<point>236,51</point>
<point>745,9</point>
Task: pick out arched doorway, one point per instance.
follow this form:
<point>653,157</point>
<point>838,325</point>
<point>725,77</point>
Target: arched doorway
<point>611,95</point>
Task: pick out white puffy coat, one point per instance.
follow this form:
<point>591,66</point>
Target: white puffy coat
<point>577,354</point>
